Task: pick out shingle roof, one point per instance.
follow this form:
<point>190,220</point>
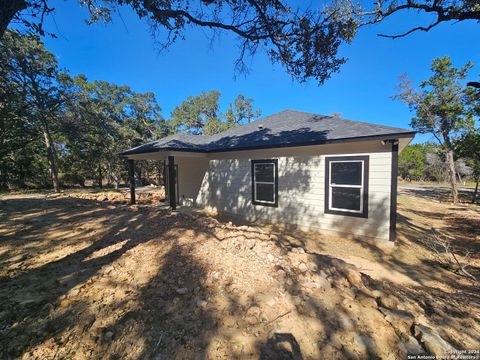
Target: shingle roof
<point>283,129</point>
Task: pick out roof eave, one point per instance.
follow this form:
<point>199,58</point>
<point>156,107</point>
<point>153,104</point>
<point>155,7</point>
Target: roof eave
<point>323,142</point>
<point>127,152</point>
<point>287,145</point>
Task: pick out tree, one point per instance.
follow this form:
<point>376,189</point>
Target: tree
<point>31,70</point>
<point>442,11</point>
<point>305,42</point>
<point>15,130</point>
<point>200,115</point>
<point>469,147</point>
<point>463,169</point>
<point>443,107</point>
<point>411,162</point>
<point>65,125</point>
<point>435,169</point>
<point>244,112</point>
<point>101,120</point>
<point>197,114</point>
<point>244,109</point>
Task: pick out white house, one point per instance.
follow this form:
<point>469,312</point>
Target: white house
<point>294,168</point>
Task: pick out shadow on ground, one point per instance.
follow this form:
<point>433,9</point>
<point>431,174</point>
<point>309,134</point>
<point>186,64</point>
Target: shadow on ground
<point>79,278</point>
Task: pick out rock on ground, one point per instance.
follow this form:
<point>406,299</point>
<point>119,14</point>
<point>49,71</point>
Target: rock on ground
<point>140,283</point>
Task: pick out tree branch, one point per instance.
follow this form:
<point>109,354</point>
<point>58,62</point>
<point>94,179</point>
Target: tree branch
<point>460,11</point>
<point>418,28</point>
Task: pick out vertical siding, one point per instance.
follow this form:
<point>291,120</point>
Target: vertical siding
<point>223,183</point>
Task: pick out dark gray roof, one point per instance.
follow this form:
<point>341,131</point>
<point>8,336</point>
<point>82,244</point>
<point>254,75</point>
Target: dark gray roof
<point>283,129</point>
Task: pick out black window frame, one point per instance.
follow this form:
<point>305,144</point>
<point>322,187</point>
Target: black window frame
<point>366,170</point>
<point>275,194</point>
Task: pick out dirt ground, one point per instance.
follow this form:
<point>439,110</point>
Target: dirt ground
<point>87,277</point>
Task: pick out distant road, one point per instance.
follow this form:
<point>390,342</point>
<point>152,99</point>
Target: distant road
<point>431,187</point>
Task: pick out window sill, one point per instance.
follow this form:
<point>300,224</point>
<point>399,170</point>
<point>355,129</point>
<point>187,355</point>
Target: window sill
<point>347,213</point>
<point>265,204</point>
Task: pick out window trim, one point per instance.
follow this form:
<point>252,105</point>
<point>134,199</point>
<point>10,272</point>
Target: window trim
<point>275,182</point>
<point>363,213</point>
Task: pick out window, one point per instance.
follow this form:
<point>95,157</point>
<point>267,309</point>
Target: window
<point>265,182</point>
<point>346,185</point>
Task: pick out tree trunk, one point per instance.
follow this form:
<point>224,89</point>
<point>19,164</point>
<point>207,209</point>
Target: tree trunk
<point>159,169</point>
<point>51,157</point>
<point>474,198</point>
<point>452,175</point>
<point>100,176</point>
<point>138,175</point>
<point>3,181</point>
<point>8,10</point>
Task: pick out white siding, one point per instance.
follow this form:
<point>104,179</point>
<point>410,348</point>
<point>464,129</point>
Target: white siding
<point>222,183</point>
<point>191,172</point>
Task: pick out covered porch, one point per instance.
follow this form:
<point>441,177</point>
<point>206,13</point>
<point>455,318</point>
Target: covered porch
<point>183,174</point>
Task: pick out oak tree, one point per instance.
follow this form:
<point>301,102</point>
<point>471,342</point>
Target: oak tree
<point>441,11</point>
<point>200,115</point>
<point>304,41</point>
<point>31,71</point>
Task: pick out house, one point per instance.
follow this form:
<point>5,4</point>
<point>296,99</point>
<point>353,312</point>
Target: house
<point>295,168</point>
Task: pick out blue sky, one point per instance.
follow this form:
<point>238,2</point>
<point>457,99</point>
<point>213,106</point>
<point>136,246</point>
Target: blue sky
<point>125,53</point>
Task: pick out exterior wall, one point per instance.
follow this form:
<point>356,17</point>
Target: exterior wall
<point>222,183</point>
<point>191,173</point>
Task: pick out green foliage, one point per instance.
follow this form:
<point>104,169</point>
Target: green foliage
<point>304,41</point>
<point>411,162</point>
<point>244,109</point>
<point>426,161</point>
<point>420,162</point>
<point>440,11</point>
<point>468,147</point>
<point>101,120</point>
<point>201,114</point>
<point>197,114</point>
<point>56,124</point>
<point>443,107</point>
<point>29,105</point>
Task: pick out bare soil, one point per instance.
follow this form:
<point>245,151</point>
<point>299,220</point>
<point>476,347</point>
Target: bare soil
<point>84,278</point>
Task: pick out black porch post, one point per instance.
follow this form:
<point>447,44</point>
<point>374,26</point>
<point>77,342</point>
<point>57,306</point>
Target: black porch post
<point>171,183</point>
<point>131,179</point>
<point>393,191</point>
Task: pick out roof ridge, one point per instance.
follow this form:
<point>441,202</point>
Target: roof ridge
<point>343,119</point>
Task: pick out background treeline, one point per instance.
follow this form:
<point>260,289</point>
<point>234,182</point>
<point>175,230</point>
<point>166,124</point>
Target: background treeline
<point>59,129</point>
<point>426,162</point>
<point>446,107</point>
